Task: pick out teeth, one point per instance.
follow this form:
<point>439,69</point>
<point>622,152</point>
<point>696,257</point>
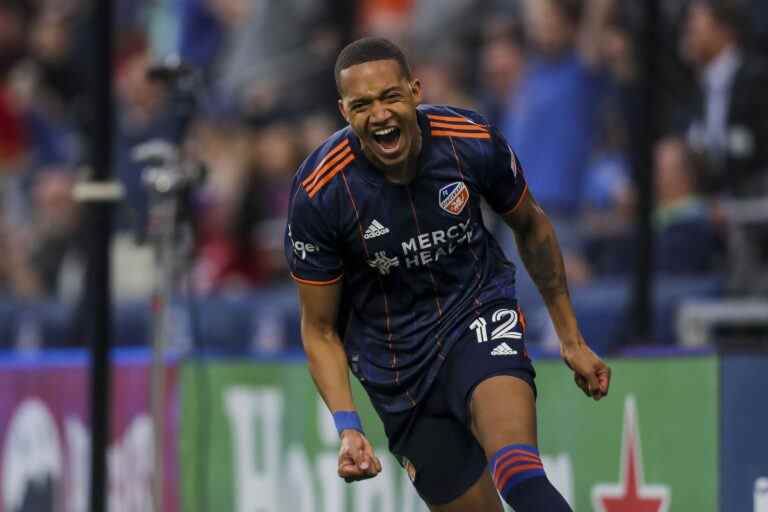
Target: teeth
<point>384,131</point>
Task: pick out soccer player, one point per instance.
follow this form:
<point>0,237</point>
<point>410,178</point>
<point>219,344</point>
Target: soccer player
<point>401,283</point>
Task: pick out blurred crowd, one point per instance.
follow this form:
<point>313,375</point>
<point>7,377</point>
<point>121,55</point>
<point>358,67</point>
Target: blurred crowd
<point>567,81</point>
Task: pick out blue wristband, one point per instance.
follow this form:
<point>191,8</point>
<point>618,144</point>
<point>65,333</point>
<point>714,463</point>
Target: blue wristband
<point>345,420</point>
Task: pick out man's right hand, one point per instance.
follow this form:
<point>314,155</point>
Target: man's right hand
<point>356,458</point>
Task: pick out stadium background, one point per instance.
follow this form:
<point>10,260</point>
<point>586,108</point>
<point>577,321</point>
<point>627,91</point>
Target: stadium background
<point>661,213</point>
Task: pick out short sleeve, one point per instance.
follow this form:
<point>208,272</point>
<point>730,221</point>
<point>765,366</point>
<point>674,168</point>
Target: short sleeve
<point>502,180</point>
<point>310,244</point>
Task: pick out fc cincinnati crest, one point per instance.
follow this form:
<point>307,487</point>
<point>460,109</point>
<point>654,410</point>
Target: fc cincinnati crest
<point>454,197</point>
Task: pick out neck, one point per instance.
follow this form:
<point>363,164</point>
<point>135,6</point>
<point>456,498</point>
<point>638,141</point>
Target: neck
<point>721,49</point>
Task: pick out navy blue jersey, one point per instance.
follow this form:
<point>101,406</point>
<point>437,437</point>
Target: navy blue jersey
<point>414,260</point>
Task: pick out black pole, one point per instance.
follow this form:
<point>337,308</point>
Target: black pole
<point>98,215</point>
<point>641,310</point>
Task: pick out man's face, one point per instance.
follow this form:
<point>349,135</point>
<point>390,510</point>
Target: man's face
<point>672,172</point>
<point>549,29</point>
<point>701,34</point>
<point>379,103</point>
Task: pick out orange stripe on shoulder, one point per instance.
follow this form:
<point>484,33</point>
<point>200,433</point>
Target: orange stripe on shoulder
<point>324,169</point>
<point>316,283</point>
<point>321,166</point>
<point>460,127</point>
<point>329,175</point>
<point>461,135</point>
<point>449,118</point>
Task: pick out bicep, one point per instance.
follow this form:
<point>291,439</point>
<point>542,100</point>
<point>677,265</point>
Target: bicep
<point>319,305</point>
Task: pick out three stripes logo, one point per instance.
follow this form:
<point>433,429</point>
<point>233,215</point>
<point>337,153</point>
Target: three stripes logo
<point>503,350</point>
<point>375,229</point>
<point>458,127</point>
<point>332,164</point>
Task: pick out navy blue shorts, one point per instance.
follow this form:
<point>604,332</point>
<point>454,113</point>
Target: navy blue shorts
<point>433,441</point>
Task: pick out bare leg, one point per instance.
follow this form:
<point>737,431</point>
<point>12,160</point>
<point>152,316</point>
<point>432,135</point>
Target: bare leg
<point>481,497</point>
<point>503,412</point>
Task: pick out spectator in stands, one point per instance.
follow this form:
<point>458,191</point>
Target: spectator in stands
<point>262,204</point>
<point>609,200</point>
<point>502,57</point>
<point>53,243</point>
<point>224,149</point>
<point>551,120</point>
<point>13,22</point>
<point>262,62</point>
<point>441,69</point>
<point>687,242</point>
<point>141,116</point>
<point>246,201</point>
<point>16,277</point>
<point>202,30</point>
<point>384,18</point>
<point>727,118</point>
<point>52,47</point>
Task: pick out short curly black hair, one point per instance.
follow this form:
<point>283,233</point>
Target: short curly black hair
<point>369,49</point>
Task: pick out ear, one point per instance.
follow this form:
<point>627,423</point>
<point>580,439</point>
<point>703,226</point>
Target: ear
<point>416,90</point>
<point>342,110</point>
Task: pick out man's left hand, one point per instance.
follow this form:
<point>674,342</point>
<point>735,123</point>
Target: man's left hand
<point>591,374</point>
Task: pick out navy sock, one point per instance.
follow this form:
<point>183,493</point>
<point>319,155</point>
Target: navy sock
<point>519,476</point>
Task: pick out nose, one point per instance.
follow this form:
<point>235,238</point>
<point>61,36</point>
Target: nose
<point>379,112</point>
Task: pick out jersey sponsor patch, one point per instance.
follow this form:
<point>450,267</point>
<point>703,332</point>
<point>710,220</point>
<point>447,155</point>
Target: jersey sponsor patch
<point>454,197</point>
<point>383,263</point>
<point>301,249</point>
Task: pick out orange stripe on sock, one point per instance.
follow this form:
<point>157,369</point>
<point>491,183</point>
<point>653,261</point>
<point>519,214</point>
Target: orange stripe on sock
<point>515,454</point>
<point>517,470</point>
<point>442,133</point>
<point>319,168</point>
<point>329,176</point>
<point>462,127</point>
<point>503,464</point>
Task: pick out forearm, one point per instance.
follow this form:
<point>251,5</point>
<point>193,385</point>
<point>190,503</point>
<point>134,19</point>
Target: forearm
<point>328,367</point>
<point>544,262</point>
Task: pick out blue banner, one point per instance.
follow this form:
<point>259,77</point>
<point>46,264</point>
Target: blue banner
<point>744,448</point>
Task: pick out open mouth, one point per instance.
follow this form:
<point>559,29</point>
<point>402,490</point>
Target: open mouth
<point>388,139</point>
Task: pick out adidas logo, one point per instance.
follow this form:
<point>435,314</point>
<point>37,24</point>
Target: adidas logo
<point>503,350</point>
<point>375,229</point>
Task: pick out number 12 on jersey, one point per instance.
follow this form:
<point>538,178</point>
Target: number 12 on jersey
<point>507,321</point>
